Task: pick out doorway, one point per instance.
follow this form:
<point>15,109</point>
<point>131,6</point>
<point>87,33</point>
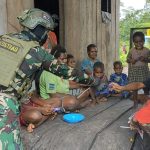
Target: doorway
<point>50,6</point>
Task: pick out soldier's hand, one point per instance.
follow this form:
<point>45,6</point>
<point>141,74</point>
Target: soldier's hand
<point>115,86</point>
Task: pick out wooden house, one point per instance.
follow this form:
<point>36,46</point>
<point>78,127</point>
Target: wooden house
<point>81,22</point>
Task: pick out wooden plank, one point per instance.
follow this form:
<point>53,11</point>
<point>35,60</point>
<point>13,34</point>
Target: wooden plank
<point>31,139</point>
<point>3,17</point>
<point>114,137</point>
<point>60,135</point>
<point>13,12</point>
<point>99,30</point>
<point>117,13</point>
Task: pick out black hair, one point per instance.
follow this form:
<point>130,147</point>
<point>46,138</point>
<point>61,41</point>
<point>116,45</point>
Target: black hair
<point>139,34</point>
<point>117,63</point>
<point>57,51</point>
<point>69,56</point>
<point>90,46</point>
<point>98,65</point>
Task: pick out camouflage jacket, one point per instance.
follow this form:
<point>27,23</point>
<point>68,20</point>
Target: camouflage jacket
<point>32,63</point>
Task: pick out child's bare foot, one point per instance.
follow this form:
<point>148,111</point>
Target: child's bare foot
<point>30,127</point>
<point>103,99</point>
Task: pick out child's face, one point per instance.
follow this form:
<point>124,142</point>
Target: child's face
<point>98,72</point>
<point>138,43</point>
<point>118,69</point>
<point>93,53</point>
<point>62,59</point>
<point>71,62</point>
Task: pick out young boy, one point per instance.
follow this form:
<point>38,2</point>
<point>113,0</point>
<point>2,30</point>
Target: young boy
<point>87,64</point>
<point>53,95</point>
<point>120,78</point>
<point>101,82</point>
<point>82,93</point>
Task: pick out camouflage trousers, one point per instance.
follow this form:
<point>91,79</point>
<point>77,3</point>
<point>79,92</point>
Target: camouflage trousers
<point>9,124</point>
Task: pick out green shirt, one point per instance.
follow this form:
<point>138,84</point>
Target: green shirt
<point>50,84</point>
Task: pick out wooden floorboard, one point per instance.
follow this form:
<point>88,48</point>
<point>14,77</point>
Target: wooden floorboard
<point>58,135</point>
<point>114,137</point>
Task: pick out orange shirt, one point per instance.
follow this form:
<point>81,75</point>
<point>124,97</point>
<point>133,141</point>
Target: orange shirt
<point>143,115</point>
<point>51,40</point>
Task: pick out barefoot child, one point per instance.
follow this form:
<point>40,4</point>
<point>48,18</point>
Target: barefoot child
<point>53,95</point>
<point>120,78</point>
<point>82,93</point>
<point>101,82</point>
<point>138,59</point>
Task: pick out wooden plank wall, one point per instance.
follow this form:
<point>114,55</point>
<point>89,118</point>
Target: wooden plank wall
<point>3,17</point>
<point>81,25</point>
<point>14,9</point>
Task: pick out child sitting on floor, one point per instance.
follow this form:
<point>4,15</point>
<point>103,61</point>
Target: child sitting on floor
<point>79,92</point>
<point>101,82</point>
<point>119,78</point>
<point>53,92</point>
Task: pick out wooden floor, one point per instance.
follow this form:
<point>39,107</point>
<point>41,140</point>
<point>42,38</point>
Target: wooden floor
<point>99,131</point>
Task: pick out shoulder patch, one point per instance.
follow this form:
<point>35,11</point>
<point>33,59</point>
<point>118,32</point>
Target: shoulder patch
<point>9,46</point>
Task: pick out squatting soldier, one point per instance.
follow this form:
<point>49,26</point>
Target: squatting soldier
<point>21,56</point>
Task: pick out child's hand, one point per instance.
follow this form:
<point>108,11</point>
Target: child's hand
<point>104,78</point>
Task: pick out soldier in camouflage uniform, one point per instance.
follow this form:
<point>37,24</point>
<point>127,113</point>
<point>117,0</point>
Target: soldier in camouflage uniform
<point>21,56</point>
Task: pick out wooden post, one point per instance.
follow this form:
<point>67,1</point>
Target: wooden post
<point>14,9</point>
<point>3,17</point>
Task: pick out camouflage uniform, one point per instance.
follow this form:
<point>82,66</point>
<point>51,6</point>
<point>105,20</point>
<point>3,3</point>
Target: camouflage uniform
<point>9,106</point>
<point>9,124</point>
<point>12,92</point>
<point>10,95</point>
<point>22,82</point>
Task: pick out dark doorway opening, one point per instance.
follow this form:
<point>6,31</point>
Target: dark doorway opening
<point>50,6</point>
